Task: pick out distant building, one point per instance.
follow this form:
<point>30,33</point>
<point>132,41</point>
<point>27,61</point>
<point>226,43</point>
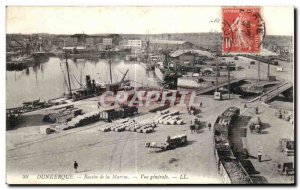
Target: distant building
<point>76,49</point>
<point>93,40</point>
<point>107,41</point>
<point>190,56</point>
<point>134,43</point>
<point>170,44</point>
<point>100,47</point>
<point>80,39</point>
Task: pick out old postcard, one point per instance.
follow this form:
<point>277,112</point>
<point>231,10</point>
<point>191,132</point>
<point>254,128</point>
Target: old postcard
<point>150,95</point>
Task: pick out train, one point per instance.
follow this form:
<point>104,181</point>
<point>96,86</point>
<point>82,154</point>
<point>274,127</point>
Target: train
<point>230,169</point>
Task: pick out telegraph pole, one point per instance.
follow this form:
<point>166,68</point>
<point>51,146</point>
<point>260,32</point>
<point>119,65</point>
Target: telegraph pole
<point>228,80</point>
<point>268,77</point>
<point>217,65</point>
<point>258,70</point>
<point>217,77</point>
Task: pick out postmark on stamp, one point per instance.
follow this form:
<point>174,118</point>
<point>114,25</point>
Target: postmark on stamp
<point>243,30</point>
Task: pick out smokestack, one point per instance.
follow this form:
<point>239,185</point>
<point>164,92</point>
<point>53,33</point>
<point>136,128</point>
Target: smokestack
<point>88,82</point>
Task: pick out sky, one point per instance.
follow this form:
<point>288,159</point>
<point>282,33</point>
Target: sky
<point>133,20</point>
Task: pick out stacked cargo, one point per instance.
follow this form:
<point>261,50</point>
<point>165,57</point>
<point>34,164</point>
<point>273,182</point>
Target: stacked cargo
<point>82,120</point>
<point>236,172</point>
<point>168,118</point>
<point>62,115</point>
<point>129,125</point>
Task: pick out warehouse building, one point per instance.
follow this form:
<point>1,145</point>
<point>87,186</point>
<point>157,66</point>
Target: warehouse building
<point>189,57</point>
<point>170,44</point>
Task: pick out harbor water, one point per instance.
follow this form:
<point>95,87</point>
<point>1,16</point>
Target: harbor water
<point>48,80</point>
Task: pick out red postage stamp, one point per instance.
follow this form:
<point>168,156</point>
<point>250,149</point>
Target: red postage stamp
<point>243,30</point>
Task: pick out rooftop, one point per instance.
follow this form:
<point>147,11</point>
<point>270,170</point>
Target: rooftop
<point>74,47</point>
<point>174,42</point>
<point>193,51</point>
<point>266,52</point>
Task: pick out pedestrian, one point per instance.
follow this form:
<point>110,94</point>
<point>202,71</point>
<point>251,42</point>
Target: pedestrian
<point>192,110</point>
<point>75,166</point>
<point>256,110</point>
<point>245,106</point>
<point>259,154</point>
<point>209,126</point>
<point>192,126</point>
<point>168,139</point>
<point>201,104</point>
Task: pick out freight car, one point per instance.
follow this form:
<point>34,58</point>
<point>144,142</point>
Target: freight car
<point>229,168</point>
<point>225,120</point>
<point>120,112</point>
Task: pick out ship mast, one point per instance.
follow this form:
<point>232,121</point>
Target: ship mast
<point>148,49</point>
<point>217,75</point>
<point>109,61</point>
<point>68,73</point>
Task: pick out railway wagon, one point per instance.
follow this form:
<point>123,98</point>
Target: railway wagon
<point>234,172</point>
<point>115,113</point>
<point>225,120</point>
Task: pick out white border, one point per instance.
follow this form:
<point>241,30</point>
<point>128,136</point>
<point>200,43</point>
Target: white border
<point>112,2</point>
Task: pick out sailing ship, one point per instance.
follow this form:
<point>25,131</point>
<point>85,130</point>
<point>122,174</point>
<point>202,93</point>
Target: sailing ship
<point>91,88</point>
<point>34,54</point>
<point>40,55</point>
<point>148,61</point>
<point>20,62</point>
<point>167,72</point>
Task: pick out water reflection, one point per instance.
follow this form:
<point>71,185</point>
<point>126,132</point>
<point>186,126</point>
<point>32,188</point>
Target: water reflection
<point>47,80</point>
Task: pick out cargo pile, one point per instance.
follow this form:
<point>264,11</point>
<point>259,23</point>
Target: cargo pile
<point>82,120</point>
<point>236,172</point>
<point>130,125</point>
<point>62,115</point>
<point>168,118</point>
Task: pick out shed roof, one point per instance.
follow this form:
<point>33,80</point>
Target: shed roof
<point>76,47</point>
<point>266,52</point>
<point>193,51</point>
<point>173,42</point>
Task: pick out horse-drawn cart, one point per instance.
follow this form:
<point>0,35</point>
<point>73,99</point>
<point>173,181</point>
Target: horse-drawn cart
<point>170,143</point>
<point>255,125</point>
<point>285,168</point>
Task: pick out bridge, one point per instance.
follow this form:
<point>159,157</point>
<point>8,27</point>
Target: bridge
<point>271,94</point>
<point>221,84</point>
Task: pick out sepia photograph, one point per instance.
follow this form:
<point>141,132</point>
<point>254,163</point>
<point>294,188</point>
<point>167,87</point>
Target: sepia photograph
<point>150,95</point>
